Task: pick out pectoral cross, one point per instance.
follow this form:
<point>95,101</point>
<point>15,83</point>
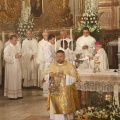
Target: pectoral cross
<point>3,5</point>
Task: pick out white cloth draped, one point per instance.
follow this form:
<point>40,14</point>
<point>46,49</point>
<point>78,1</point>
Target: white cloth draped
<point>12,88</point>
<point>69,81</point>
<point>29,67</point>
<point>82,41</point>
<point>40,61</point>
<point>1,51</point>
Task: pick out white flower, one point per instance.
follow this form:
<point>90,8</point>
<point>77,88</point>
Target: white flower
<point>89,108</point>
<point>91,19</point>
<point>103,109</point>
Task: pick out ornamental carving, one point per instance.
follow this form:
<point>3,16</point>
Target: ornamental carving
<point>9,13</point>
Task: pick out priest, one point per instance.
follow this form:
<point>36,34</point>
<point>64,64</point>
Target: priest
<point>13,77</point>
<point>49,57</point>
<point>8,42</point>
<point>63,100</point>
<point>29,65</point>
<point>40,59</point>
<point>101,56</point>
<point>85,47</point>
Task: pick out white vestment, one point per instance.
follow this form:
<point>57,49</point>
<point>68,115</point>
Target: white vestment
<point>29,67</point>
<point>1,53</point>
<point>13,77</point>
<point>18,45</point>
<point>49,57</point>
<point>58,43</point>
<point>40,61</point>
<point>82,41</point>
<point>69,81</point>
<point>102,58</point>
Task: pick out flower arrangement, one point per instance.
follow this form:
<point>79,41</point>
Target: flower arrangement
<point>23,27</point>
<point>26,21</point>
<point>90,19</point>
<point>110,111</point>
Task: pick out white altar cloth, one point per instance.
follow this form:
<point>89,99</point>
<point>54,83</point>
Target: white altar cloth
<point>99,82</point>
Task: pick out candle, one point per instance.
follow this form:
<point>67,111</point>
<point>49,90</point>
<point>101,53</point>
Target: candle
<point>71,39</point>
<point>119,45</point>
<point>63,44</point>
<point>55,45</point>
<point>3,36</point>
<point>119,54</point>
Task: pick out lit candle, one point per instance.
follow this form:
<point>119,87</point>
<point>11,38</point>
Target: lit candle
<point>63,44</point>
<point>3,36</point>
<point>55,45</point>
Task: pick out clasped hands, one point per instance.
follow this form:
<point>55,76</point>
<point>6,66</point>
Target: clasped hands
<point>18,55</point>
<point>59,74</point>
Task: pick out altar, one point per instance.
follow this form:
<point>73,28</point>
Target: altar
<point>99,83</point>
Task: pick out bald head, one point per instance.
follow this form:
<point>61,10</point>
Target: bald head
<point>29,34</point>
<point>63,33</point>
<point>45,35</point>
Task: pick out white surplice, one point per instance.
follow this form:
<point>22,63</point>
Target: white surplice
<point>49,57</point>
<point>29,67</point>
<point>82,41</point>
<point>69,81</point>
<point>12,87</point>
<point>102,58</point>
<point>40,61</point>
<point>1,65</point>
<point>58,43</point>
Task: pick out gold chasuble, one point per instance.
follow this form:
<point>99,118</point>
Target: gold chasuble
<point>65,98</point>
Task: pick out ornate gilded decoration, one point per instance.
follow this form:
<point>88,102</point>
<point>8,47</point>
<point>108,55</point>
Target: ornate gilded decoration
<point>9,12</point>
<point>54,15</point>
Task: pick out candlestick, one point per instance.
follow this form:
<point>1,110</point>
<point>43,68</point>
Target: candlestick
<point>63,44</point>
<point>71,39</point>
<point>3,36</point>
<point>55,45</point>
<point>119,45</point>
